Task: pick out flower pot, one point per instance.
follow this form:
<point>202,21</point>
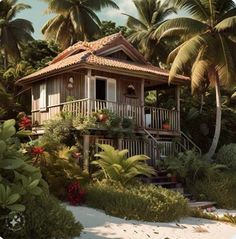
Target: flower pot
<point>166,126</point>
<point>102,117</point>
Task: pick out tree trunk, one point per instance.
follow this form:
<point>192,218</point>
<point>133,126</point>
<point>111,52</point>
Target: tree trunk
<point>5,60</point>
<point>215,141</point>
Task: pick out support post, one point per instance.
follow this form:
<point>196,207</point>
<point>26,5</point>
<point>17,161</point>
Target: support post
<point>86,152</point>
<point>143,103</point>
<point>89,90</point>
<point>178,105</point>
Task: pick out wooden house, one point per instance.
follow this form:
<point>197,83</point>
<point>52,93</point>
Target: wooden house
<point>110,73</point>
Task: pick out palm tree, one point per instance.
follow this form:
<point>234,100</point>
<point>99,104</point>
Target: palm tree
<point>13,32</point>
<point>208,47</point>
<point>151,14</point>
<point>75,20</point>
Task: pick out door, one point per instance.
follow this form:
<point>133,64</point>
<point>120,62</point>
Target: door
<point>105,90</point>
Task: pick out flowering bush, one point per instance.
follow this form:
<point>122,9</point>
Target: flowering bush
<point>24,121</point>
<point>37,150</point>
<point>75,193</point>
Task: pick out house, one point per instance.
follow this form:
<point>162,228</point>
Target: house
<point>110,73</point>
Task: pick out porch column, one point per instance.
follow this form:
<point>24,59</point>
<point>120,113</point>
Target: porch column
<point>178,104</point>
<point>142,103</point>
<point>86,152</point>
<point>89,90</point>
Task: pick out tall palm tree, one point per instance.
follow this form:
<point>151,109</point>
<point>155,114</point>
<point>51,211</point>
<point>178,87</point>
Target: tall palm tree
<point>208,47</point>
<point>151,13</point>
<point>13,32</point>
<point>75,20</point>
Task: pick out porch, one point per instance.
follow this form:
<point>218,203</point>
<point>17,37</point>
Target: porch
<point>144,117</point>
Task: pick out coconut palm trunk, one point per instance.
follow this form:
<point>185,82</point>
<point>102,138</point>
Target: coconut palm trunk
<point>5,60</point>
<point>215,140</point>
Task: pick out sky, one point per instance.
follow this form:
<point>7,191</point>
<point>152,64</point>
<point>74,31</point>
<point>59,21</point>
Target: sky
<point>38,17</point>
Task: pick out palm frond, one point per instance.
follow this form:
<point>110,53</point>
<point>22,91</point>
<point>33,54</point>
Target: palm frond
<point>97,5</point>
<point>228,24</point>
<point>185,55</point>
<point>174,26</point>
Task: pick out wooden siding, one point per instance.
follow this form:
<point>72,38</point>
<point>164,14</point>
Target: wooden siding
<point>57,93</point>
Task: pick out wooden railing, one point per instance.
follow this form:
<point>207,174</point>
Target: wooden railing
<point>143,117</point>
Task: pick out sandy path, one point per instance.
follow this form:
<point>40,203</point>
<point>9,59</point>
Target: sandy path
<point>98,225</point>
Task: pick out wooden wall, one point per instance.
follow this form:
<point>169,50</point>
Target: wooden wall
<point>57,93</point>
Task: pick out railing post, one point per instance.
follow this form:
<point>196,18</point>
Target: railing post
<point>142,104</point>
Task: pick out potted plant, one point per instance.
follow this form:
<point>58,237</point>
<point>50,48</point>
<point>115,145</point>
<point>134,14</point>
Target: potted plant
<point>102,115</point>
<point>166,124</point>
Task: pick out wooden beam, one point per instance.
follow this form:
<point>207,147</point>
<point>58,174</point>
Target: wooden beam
<point>143,101</point>
<point>178,104</point>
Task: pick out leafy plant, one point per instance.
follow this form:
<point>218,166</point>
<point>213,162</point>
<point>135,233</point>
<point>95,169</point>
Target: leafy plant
<point>56,132</point>
<point>18,179</point>
<point>136,201</point>
<point>220,188</point>
<point>61,169</point>
<point>115,165</point>
<point>190,167</point>
<point>227,156</point>
<point>45,218</point>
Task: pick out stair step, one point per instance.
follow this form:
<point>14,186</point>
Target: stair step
<point>165,184</point>
<point>202,205</point>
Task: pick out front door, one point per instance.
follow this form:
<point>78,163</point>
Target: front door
<point>101,89</point>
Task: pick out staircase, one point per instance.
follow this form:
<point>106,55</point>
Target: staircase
<point>172,146</point>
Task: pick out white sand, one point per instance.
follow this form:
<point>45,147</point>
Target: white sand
<point>98,225</point>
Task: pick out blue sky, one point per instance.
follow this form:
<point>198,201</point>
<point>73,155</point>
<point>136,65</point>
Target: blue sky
<point>38,17</point>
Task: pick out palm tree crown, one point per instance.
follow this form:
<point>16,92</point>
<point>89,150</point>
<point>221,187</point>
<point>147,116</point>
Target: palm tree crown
<point>208,46</point>
<point>151,13</point>
<point>75,20</point>
<point>13,32</point>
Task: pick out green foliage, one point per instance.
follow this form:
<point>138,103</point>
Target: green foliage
<point>115,165</point>
<point>151,14</point>
<point>38,53</point>
<point>220,188</point>
<point>227,156</point>
<point>61,168</point>
<point>56,132</point>
<point>76,17</point>
<point>14,32</point>
<point>18,179</point>
<point>211,216</point>
<point>137,201</point>
<point>45,218</point>
<point>190,166</point>
<point>108,28</point>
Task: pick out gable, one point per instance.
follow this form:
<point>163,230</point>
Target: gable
<point>121,52</point>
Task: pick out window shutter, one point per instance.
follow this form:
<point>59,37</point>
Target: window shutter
<point>43,97</point>
<point>111,90</point>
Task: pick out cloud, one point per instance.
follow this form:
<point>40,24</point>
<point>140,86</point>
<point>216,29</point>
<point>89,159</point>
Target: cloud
<point>126,6</point>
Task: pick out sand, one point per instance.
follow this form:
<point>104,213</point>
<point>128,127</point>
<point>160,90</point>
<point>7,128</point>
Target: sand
<point>98,225</point>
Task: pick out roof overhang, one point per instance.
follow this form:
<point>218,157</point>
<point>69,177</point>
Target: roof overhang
<point>161,77</point>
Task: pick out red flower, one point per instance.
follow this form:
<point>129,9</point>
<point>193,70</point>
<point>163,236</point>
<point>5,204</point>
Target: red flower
<point>75,194</point>
<point>25,123</point>
<point>37,150</point>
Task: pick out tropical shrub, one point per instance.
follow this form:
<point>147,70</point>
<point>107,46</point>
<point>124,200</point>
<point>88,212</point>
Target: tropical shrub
<point>45,218</point>
<point>115,165</point>
<point>227,156</point>
<point>220,189</point>
<point>57,131</point>
<point>61,169</point>
<point>75,193</point>
<point>18,179</point>
<point>136,201</point>
<point>190,167</point>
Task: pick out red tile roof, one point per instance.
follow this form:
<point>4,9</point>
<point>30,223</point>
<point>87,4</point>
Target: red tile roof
<point>74,57</point>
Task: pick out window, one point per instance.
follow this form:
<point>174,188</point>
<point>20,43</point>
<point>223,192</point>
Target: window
<point>43,97</point>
